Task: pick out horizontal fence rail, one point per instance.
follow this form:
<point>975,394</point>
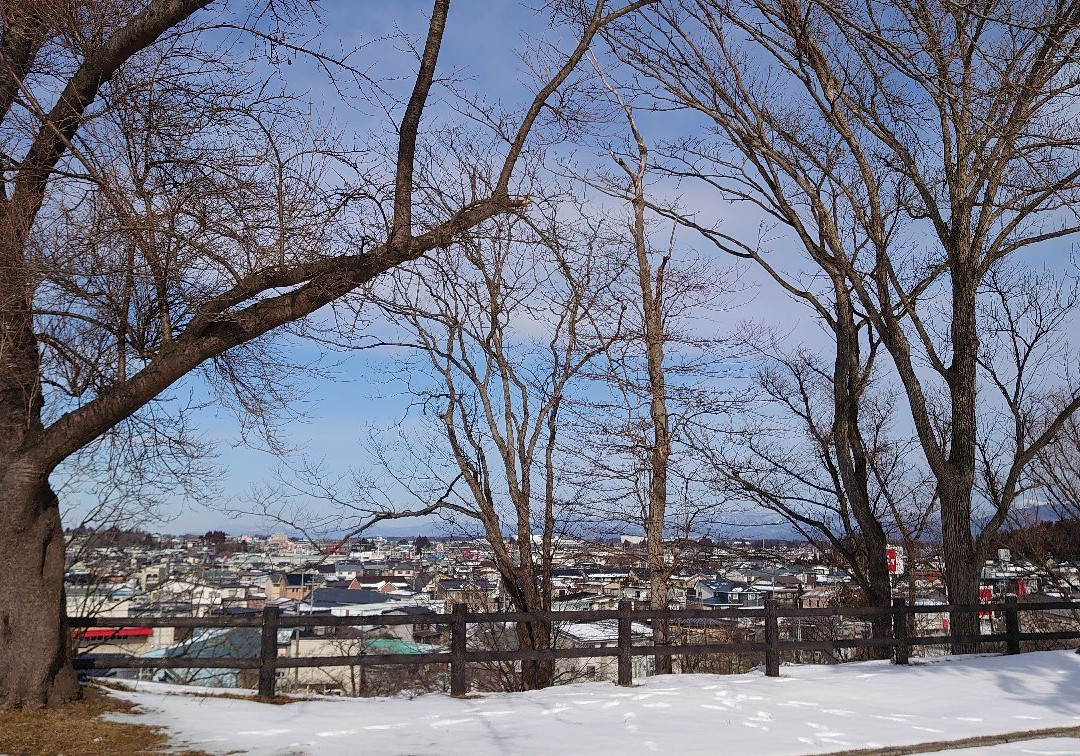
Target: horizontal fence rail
<point>270,620</point>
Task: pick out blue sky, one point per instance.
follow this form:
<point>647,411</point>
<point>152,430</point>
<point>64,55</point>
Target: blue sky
<point>481,47</point>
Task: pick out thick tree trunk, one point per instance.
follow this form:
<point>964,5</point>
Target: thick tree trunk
<point>878,591</point>
<point>539,673</point>
<point>962,563</point>
<point>35,663</point>
<point>520,582</point>
<point>530,597</point>
<point>853,462</point>
<point>962,567</point>
<point>658,599</point>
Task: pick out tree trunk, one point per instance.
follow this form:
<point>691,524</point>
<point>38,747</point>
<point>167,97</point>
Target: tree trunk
<point>878,592</point>
<point>962,567</point>
<point>962,563</point>
<point>538,673</point>
<point>853,462</point>
<point>35,663</point>
<point>532,636</point>
<point>659,446</point>
<point>658,599</point>
<point>35,659</point>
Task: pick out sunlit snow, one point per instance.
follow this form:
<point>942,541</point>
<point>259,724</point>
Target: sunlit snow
<point>809,709</point>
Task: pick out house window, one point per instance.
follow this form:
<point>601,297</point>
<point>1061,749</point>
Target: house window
<point>590,671</point>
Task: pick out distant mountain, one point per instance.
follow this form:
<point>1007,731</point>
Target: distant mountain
<point>1030,512</point>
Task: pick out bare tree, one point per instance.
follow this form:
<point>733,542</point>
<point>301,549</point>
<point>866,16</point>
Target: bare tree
<point>214,261</point>
<point>1056,473</point>
<point>786,458</point>
<point>1028,316</point>
<point>659,370</point>
<point>759,172</point>
<point>503,326</point>
<point>890,123</point>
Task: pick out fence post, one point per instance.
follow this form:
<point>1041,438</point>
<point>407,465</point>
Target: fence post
<point>772,638</point>
<point>268,651</point>
<point>1012,625</point>
<point>626,671</point>
<point>900,630</point>
<point>458,645</point>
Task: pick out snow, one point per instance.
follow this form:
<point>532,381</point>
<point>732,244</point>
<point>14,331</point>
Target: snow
<point>1039,747</point>
<point>808,709</point>
<point>603,631</point>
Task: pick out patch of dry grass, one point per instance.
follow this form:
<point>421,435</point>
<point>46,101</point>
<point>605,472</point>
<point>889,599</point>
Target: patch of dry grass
<point>79,729</point>
<point>275,700</point>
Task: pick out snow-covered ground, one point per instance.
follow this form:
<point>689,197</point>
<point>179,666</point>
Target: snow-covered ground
<point>808,709</point>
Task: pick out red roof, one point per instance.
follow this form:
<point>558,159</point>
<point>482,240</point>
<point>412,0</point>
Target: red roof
<point>112,633</point>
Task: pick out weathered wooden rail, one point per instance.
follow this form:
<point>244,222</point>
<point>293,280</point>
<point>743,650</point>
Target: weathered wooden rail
<point>270,620</point>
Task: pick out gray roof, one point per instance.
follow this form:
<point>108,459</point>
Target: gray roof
<point>325,596</point>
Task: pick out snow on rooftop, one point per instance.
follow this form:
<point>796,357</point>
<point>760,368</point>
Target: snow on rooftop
<point>603,631</point>
<point>809,709</point>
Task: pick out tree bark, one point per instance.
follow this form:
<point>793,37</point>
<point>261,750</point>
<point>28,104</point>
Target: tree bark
<point>651,287</point>
<point>533,636</point>
<point>658,599</point>
<point>962,561</point>
<point>962,565</point>
<point>536,674</point>
<point>35,660</point>
<point>878,590</point>
<point>853,460</point>
<point>35,664</point>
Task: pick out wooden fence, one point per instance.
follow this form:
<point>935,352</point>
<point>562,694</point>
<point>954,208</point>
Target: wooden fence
<point>270,620</point>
